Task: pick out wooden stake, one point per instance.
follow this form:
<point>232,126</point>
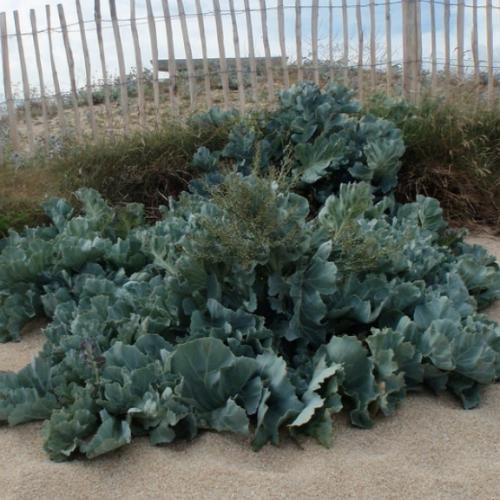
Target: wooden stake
<point>26,85</point>
<point>251,51</point>
<point>446,22</point>
<point>373,48</point>
<point>88,72</point>
<point>222,54</point>
<point>314,36</point>
<point>388,44</point>
<point>121,66</point>
<point>298,38</point>
<point>345,33</point>
<point>460,39</point>
<point>239,68</point>
<point>434,74</point>
<point>267,50</point>
<point>7,86</point>
<point>154,54</point>
<point>71,68</point>
<point>55,78</point>
<point>359,25</point>
<point>172,66</point>
<point>489,47</point>
<point>281,30</point>
<point>189,54</point>
<point>41,80</point>
<point>474,46</point>
<point>206,68</point>
<point>102,56</point>
<point>138,65</point>
<point>330,37</point>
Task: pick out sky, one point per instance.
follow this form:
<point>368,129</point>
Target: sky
<point>123,8</point>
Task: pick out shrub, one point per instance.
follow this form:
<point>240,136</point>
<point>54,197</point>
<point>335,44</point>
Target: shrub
<point>245,309</point>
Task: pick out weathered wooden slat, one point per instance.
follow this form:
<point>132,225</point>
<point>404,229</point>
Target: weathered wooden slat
<point>222,53</point>
<point>41,79</point>
<point>88,71</point>
<point>71,69</point>
<point>206,69</point>
<point>373,47</point>
<point>138,66</point>
<point>55,77</point>
<point>330,38</point>
<point>446,25</point>
<point>104,70</point>
<point>388,45</point>
<point>154,56</point>
<point>474,45</point>
<point>121,66</point>
<point>281,31</point>
<point>460,39</point>
<point>251,51</point>
<point>314,41</point>
<point>7,84</point>
<point>345,34</point>
<point>189,53</point>
<point>171,56</point>
<point>267,51</point>
<point>28,117</point>
<point>434,73</point>
<point>298,39</point>
<point>489,49</point>
<point>239,67</point>
<point>359,25</point>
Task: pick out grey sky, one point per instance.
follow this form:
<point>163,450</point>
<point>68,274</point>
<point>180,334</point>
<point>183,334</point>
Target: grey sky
<point>123,6</point>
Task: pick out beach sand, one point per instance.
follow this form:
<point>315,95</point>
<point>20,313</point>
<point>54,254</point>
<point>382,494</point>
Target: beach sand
<point>431,448</point>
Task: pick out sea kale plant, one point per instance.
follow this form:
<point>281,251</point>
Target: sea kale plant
<point>286,286</point>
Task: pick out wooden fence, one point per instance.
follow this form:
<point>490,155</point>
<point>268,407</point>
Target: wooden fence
<point>369,45</point>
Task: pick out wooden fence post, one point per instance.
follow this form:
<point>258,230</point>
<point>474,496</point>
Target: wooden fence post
<point>222,54</point>
<point>460,39</point>
<point>102,56</point>
<point>239,67</point>
<point>388,46</point>
<point>446,24</point>
<point>206,68</point>
<point>411,49</point>
<point>345,35</point>
<point>251,51</point>
<point>298,39</point>
<point>71,68</point>
<point>267,50</point>
<point>7,86</point>
<point>121,66</point>
<point>359,25</point>
<point>281,30</point>
<point>138,66</point>
<point>373,48</point>
<point>41,80</point>
<point>154,54</point>
<point>489,47</point>
<point>314,41</point>
<point>26,84</point>
<point>434,74</point>
<point>55,77</point>
<point>172,66</point>
<point>189,53</point>
<point>88,72</point>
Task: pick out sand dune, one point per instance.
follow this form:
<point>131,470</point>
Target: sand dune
<point>430,449</point>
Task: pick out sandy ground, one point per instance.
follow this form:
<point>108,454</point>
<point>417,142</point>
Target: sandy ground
<point>430,449</point>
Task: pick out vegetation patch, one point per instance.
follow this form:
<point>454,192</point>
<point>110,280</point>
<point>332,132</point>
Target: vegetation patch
<point>270,296</point>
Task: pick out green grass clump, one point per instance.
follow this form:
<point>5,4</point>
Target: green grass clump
<point>452,154</point>
<point>143,167</point>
